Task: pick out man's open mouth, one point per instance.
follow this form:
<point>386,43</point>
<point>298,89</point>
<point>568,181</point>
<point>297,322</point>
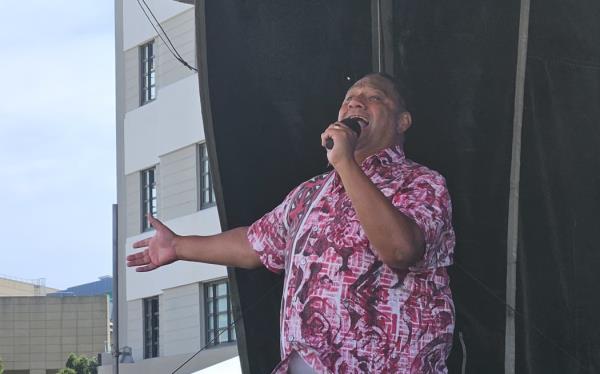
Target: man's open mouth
<point>361,120</point>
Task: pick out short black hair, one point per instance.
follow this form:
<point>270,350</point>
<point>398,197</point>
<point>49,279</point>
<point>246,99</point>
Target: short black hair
<point>400,87</point>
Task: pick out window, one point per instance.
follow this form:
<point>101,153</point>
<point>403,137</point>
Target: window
<point>207,193</point>
<point>219,315</point>
<point>148,196</point>
<point>147,73</point>
<point>151,327</point>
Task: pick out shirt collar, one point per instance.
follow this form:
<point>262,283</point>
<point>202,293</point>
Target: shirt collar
<point>387,156</point>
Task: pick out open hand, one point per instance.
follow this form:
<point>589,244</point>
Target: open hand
<point>158,250</point>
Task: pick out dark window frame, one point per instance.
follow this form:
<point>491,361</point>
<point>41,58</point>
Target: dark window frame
<point>212,312</point>
<point>151,326</point>
<point>205,185</point>
<point>148,196</point>
<point>147,73</point>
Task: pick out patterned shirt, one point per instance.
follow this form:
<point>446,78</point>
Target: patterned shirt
<point>343,310</point>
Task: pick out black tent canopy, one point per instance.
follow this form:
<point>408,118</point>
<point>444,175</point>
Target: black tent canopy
<point>506,107</point>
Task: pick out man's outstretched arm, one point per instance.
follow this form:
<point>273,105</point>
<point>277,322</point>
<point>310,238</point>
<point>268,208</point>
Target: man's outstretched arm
<point>230,248</point>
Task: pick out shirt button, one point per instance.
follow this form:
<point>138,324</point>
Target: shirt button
<point>290,338</point>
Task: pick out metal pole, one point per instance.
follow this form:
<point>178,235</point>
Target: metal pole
<point>513,198</point>
<point>118,264</point>
<point>115,287</point>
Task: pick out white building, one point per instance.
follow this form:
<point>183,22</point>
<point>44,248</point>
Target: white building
<point>171,313</point>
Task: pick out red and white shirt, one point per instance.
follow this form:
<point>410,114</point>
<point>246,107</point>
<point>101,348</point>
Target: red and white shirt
<point>343,310</point>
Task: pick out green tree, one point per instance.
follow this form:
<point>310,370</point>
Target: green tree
<point>1,366</point>
<point>80,365</point>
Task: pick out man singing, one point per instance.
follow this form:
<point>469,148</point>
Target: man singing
<point>364,249</point>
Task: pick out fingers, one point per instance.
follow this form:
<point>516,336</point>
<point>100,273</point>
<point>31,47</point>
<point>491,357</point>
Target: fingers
<point>137,259</point>
<point>334,130</point>
<point>148,267</point>
<point>154,222</point>
<point>142,261</point>
<point>142,243</point>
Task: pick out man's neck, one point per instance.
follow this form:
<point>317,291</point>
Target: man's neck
<point>362,154</point>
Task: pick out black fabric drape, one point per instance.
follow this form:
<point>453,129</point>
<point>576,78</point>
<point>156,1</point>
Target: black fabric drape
<point>559,253</point>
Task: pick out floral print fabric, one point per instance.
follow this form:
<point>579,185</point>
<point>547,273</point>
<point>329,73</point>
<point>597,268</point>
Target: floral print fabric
<point>343,310</point>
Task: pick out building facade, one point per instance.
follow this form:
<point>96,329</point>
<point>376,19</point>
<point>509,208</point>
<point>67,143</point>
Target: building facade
<point>37,333</point>
<point>10,286</point>
<point>168,314</point>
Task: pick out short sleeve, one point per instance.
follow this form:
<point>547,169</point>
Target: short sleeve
<point>426,201</point>
<point>268,236</point>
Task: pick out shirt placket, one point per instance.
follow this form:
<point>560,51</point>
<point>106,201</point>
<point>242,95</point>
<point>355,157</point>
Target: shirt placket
<point>290,338</point>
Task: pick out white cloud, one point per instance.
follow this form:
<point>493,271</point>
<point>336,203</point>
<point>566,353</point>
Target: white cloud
<point>38,22</point>
<point>67,81</point>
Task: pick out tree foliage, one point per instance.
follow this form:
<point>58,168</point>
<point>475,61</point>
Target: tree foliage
<point>80,365</point>
<point>1,366</point>
<point>67,371</point>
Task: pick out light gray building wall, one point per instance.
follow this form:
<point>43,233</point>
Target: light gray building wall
<point>134,206</point>
<point>179,181</point>
<point>181,327</point>
<point>38,333</point>
<point>181,31</point>
<point>132,79</point>
<point>135,329</point>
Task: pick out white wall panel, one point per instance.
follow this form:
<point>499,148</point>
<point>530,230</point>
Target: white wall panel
<point>172,121</point>
<point>135,329</point>
<point>180,319</point>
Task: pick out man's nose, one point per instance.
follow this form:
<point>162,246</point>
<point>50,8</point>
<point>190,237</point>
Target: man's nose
<point>356,102</point>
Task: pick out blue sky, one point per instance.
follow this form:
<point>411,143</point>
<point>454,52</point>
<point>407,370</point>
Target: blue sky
<point>57,140</point>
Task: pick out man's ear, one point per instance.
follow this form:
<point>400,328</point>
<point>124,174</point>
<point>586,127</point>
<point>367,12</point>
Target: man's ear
<point>404,122</point>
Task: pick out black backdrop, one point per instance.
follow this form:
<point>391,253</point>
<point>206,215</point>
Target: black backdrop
<point>272,76</point>
<point>460,58</point>
<point>559,255</point>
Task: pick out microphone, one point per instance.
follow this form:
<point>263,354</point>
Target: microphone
<point>353,123</point>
